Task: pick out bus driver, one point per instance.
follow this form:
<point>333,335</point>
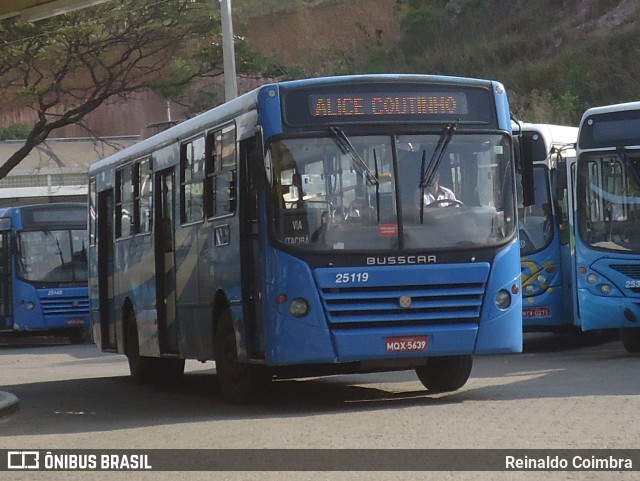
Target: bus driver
<point>436,192</point>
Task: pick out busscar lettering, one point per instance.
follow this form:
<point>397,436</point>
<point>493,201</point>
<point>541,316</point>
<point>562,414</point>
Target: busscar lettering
<point>401,260</point>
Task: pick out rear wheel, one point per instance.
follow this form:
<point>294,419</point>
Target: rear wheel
<point>239,382</point>
<point>630,337</point>
<point>149,370</point>
<point>447,373</point>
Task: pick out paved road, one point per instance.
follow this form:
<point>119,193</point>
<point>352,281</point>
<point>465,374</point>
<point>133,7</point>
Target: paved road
<point>557,394</point>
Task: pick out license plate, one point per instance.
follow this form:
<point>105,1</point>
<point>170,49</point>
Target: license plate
<point>529,312</point>
<point>75,321</point>
<point>406,344</point>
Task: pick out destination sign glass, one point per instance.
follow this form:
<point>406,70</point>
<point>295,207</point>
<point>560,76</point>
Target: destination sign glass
<point>390,104</point>
<point>612,129</point>
<point>54,216</point>
<point>387,103</point>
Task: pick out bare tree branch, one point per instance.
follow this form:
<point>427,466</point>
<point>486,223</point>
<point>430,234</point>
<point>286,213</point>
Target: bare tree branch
<point>66,67</point>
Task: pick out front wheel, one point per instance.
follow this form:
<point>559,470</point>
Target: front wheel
<point>446,373</point>
<point>239,382</point>
<point>79,336</point>
<point>630,337</point>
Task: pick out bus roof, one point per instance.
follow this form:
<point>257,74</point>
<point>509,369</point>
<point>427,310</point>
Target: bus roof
<point>4,211</point>
<point>559,134</point>
<point>604,109</point>
<point>248,101</point>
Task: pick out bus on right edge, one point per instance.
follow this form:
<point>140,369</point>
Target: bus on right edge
<point>543,230</point>
<point>606,218</point>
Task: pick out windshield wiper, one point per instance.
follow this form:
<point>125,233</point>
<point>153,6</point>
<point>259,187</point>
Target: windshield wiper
<point>347,148</point>
<point>631,164</point>
<point>427,171</point>
<point>58,248</point>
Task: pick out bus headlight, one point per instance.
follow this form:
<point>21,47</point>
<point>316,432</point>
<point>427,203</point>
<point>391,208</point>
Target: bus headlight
<point>29,306</point>
<point>592,278</point>
<point>503,299</point>
<point>605,289</point>
<point>299,307</point>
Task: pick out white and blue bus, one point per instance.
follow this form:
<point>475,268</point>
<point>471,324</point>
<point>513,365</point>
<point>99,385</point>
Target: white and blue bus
<point>43,270</point>
<point>286,234</point>
<point>544,233</point>
<point>606,222</point>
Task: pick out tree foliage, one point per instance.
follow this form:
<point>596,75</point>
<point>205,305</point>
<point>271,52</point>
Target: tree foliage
<point>66,66</point>
<point>555,58</point>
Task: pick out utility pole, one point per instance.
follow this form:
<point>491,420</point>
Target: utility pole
<point>228,52</point>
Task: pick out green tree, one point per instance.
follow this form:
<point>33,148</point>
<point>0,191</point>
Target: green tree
<point>67,66</point>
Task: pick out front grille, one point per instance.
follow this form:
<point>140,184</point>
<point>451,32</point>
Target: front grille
<point>65,305</point>
<point>629,270</point>
<point>377,306</point>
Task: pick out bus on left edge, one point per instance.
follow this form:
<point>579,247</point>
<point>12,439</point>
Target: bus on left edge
<point>43,270</point>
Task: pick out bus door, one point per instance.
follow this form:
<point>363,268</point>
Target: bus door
<point>165,262</point>
<point>250,254</point>
<point>5,281</point>
<point>106,270</point>
<point>571,167</point>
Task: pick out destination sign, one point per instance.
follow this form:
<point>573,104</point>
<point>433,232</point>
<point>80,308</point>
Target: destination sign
<point>387,102</point>
<point>390,104</point>
<point>610,129</point>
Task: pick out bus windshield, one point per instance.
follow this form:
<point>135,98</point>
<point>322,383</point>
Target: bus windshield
<point>52,256</point>
<point>609,201</point>
<point>536,228</point>
<point>369,193</point>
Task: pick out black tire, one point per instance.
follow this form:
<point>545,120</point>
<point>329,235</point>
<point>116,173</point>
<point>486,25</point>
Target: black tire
<point>239,383</point>
<point>79,336</point>
<point>149,370</point>
<point>594,338</point>
<point>630,337</point>
<point>444,374</point>
<point>139,367</point>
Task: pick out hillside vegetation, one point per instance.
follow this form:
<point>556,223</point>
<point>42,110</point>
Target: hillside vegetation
<point>556,57</point>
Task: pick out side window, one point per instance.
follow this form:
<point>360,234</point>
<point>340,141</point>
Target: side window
<point>221,172</point>
<point>143,196</point>
<point>192,156</point>
<point>124,202</point>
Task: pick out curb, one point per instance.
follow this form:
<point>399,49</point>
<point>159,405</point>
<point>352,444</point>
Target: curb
<point>9,404</point>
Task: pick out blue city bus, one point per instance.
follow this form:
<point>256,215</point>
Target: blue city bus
<point>43,270</point>
<point>285,234</point>
<point>606,206</point>
<point>543,230</point>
